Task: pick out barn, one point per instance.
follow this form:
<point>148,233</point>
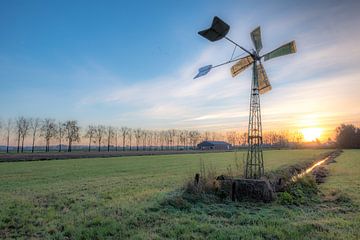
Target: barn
<point>214,145</point>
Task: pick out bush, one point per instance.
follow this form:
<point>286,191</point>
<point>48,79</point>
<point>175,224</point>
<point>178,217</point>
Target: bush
<point>285,198</point>
<point>303,191</point>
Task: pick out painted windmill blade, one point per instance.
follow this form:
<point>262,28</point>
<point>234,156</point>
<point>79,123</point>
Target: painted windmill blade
<point>285,49</point>
<point>263,81</point>
<point>256,39</point>
<point>241,65</point>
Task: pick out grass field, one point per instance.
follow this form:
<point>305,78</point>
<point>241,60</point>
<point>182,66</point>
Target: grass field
<point>123,198</point>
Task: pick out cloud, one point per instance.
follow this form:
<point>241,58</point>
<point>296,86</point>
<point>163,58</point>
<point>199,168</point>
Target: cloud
<point>321,78</point>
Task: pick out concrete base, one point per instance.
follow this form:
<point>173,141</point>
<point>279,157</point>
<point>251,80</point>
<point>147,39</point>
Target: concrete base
<point>244,189</point>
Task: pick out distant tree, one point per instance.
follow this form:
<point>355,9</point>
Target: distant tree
<point>116,132</point>
<point>137,135</point>
<point>1,126</point>
<point>90,134</point>
<point>144,136</point>
<point>156,139</point>
<point>22,129</point>
<point>99,135</point>
<point>124,131</point>
<point>206,136</point>
<point>150,139</point>
<point>172,135</point>
<point>72,132</point>
<point>130,134</point>
<point>194,137</point>
<point>348,136</point>
<point>34,126</point>
<point>48,131</point>
<point>231,137</point>
<point>60,133</point>
<point>8,128</point>
<point>162,139</point>
<point>297,138</point>
<point>110,131</point>
<point>18,133</point>
<point>182,137</point>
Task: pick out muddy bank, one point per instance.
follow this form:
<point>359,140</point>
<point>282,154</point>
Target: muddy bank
<point>280,178</point>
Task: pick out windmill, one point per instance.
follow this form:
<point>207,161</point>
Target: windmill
<point>260,84</point>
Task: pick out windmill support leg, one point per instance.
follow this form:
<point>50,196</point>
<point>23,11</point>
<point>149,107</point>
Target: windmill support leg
<point>254,167</point>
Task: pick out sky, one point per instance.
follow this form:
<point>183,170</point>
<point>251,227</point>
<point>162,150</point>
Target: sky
<point>132,63</point>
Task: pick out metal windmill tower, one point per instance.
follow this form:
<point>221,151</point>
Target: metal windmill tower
<point>260,84</point>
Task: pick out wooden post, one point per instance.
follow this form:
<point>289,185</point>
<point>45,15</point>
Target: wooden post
<point>197,178</point>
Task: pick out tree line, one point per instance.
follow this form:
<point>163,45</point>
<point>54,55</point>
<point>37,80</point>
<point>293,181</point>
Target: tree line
<point>57,133</point>
<point>63,135</point>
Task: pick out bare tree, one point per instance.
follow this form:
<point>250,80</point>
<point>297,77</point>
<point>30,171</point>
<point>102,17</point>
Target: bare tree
<point>116,132</point>
<point>130,134</point>
<point>144,135</point>
<point>110,131</point>
<point>48,131</point>
<point>17,129</point>
<point>90,134</point>
<point>156,143</point>
<point>72,132</point>
<point>231,137</point>
<point>183,136</point>
<point>206,136</point>
<point>34,126</point>
<point>162,138</point>
<point>1,125</point>
<point>8,128</point>
<point>99,135</point>
<point>150,139</point>
<point>194,137</point>
<point>137,134</point>
<point>60,134</point>
<point>22,129</point>
<point>124,131</point>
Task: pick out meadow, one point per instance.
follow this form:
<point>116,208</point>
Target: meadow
<point>127,198</point>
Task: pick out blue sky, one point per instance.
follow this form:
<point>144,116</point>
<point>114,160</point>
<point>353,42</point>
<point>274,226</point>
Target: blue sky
<point>132,62</point>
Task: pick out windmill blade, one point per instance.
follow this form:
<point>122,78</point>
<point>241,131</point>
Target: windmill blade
<point>285,49</point>
<point>217,31</point>
<point>203,71</point>
<point>241,65</point>
<point>256,39</point>
<point>263,81</point>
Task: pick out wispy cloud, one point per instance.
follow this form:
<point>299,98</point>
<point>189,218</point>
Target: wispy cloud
<point>321,78</point>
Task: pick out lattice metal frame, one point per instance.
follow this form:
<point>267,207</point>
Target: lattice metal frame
<point>254,167</point>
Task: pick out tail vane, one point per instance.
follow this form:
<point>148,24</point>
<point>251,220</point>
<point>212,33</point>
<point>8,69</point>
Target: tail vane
<point>203,71</point>
<point>217,31</point>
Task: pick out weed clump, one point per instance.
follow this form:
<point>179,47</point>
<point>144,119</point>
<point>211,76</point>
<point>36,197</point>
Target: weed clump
<point>320,174</point>
<point>204,187</point>
<point>302,192</point>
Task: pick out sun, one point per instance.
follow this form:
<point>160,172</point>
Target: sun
<point>311,134</point>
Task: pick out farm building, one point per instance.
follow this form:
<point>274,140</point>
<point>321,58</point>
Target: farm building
<point>214,145</point>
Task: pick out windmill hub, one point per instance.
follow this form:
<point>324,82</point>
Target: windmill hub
<point>255,56</point>
<point>254,168</point>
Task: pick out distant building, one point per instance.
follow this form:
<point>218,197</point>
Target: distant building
<point>214,145</point>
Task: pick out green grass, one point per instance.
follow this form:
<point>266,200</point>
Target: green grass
<point>123,197</point>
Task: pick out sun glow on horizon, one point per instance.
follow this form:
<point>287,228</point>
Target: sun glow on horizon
<point>311,134</point>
